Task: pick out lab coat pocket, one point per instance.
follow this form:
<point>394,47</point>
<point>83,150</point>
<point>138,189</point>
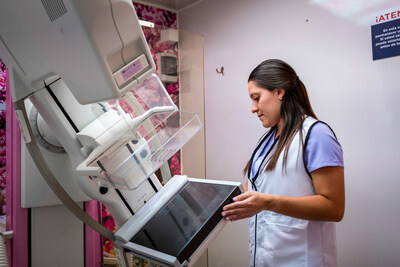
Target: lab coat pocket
<point>288,239</point>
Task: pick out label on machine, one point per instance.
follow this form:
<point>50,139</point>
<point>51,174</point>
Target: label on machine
<point>130,70</point>
<point>22,126</point>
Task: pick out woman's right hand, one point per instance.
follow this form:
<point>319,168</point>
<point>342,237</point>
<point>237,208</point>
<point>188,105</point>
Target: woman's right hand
<point>247,205</point>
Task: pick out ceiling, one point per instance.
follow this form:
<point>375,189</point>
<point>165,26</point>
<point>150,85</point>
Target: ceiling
<point>173,5</point>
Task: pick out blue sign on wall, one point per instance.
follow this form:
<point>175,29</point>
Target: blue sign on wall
<point>385,32</point>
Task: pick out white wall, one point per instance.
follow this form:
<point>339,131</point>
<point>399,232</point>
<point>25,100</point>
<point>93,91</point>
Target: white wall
<point>57,238</point>
<point>358,97</point>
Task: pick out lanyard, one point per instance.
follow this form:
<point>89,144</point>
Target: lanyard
<point>252,180</point>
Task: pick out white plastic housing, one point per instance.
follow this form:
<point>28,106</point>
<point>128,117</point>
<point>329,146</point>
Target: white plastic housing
<point>131,160</point>
<point>126,144</point>
<point>86,43</point>
<point>169,36</point>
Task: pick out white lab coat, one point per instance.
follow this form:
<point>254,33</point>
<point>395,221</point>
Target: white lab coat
<point>283,241</point>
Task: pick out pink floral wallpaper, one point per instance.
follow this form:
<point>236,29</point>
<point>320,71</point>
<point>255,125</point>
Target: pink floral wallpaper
<point>158,16</point>
<point>3,74</point>
<point>162,19</point>
<point>107,221</point>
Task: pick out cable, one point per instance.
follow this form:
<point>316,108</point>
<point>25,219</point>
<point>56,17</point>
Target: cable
<point>119,35</point>
<point>3,252</point>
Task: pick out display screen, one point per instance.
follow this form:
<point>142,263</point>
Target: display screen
<point>186,220</point>
<point>169,66</point>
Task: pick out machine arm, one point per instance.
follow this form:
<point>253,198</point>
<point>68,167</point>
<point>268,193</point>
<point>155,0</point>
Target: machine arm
<point>52,181</point>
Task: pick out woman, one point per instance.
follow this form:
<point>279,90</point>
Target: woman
<point>296,176</point>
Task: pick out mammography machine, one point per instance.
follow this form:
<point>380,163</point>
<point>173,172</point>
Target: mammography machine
<point>86,68</point>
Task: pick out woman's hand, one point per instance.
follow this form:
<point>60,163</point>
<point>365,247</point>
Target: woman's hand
<point>247,205</point>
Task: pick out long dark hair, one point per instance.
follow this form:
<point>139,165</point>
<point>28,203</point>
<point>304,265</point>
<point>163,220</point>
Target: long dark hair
<point>272,74</point>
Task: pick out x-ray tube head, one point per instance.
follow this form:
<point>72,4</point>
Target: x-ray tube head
<point>107,53</point>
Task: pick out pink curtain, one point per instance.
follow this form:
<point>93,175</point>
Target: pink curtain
<point>93,245</point>
<point>16,217</point>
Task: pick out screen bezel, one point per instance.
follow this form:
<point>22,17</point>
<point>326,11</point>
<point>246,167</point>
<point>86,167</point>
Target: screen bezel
<point>206,229</point>
<point>199,245</point>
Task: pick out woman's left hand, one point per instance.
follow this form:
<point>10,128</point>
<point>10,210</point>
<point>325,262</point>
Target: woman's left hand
<point>247,205</point>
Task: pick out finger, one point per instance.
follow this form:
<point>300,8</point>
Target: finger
<point>243,196</point>
<point>235,205</point>
<point>237,217</point>
<point>234,212</point>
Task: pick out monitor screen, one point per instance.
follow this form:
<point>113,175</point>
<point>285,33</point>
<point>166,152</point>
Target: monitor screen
<point>169,65</point>
<point>180,227</point>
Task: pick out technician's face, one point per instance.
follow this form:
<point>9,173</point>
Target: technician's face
<point>266,104</point>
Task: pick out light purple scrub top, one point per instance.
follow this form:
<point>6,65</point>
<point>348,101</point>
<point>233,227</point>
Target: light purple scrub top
<point>322,149</point>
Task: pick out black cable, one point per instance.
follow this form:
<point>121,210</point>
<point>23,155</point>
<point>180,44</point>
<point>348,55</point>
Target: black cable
<point>255,241</point>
